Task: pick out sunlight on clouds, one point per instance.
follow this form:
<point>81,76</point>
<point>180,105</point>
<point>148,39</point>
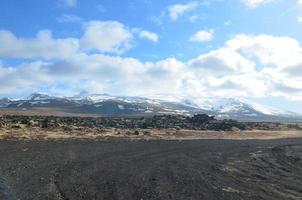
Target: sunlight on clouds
<point>106,36</point>
<point>257,65</point>
<point>270,50</point>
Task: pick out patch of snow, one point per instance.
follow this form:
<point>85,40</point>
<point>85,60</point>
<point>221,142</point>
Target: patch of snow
<point>121,107</point>
<point>39,102</point>
<point>20,104</point>
<point>252,115</point>
<point>39,97</point>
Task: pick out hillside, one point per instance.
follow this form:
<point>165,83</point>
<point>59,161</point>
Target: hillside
<point>108,105</point>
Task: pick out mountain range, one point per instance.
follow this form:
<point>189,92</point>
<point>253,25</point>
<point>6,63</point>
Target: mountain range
<point>109,105</point>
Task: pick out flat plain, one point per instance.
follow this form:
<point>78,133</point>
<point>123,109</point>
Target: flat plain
<point>198,158</point>
<point>156,169</point>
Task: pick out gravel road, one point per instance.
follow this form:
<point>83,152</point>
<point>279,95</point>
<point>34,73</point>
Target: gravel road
<point>151,170</point>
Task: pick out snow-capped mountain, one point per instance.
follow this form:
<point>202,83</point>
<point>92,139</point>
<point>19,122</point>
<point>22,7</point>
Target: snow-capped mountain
<point>105,104</point>
<point>230,107</point>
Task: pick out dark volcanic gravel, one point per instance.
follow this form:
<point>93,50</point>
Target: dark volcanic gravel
<point>143,170</point>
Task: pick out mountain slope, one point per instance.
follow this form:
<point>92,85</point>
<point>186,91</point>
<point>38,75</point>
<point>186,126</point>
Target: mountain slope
<point>105,104</point>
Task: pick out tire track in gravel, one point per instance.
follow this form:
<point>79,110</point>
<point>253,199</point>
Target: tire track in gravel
<point>5,190</point>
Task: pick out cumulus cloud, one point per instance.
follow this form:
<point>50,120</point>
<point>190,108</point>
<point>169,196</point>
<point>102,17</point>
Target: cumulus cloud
<point>279,60</point>
<point>175,11</point>
<point>43,45</point>
<point>202,36</point>
<point>106,36</point>
<point>222,62</point>
<point>23,77</point>
<point>111,74</point>
<point>98,36</point>
<point>269,50</point>
<point>256,3</point>
<point>148,35</point>
<point>246,65</point>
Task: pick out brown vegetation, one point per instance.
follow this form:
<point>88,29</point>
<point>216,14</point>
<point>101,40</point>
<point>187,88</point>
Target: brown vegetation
<point>156,127</point>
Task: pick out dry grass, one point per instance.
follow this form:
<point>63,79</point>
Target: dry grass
<point>22,132</point>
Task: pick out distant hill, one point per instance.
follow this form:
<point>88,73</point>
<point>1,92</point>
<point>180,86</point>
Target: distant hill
<point>108,105</point>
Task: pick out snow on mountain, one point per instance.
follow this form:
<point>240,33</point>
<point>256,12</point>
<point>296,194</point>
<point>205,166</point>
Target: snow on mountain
<point>105,103</point>
<point>4,102</point>
<point>39,97</point>
<point>231,105</point>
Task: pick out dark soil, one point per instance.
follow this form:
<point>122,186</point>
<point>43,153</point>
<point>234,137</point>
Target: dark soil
<point>151,170</point>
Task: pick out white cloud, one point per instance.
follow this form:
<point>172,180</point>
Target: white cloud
<point>23,77</point>
<point>227,23</point>
<point>280,60</point>
<point>99,36</point>
<point>269,50</point>
<point>246,65</point>
<point>299,19</point>
<point>299,2</point>
<point>105,73</point>
<point>175,11</point>
<point>44,45</point>
<point>202,36</point>
<point>256,3</point>
<point>149,35</point>
<point>68,3</point>
<point>221,62</point>
<point>66,18</point>
<point>106,36</point>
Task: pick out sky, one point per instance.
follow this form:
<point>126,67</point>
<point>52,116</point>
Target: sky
<point>249,49</point>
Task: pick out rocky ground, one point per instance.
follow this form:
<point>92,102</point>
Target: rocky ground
<point>156,127</point>
<point>160,157</point>
<point>149,170</point>
<point>196,122</point>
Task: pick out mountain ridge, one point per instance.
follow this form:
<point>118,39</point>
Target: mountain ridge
<point>106,104</point>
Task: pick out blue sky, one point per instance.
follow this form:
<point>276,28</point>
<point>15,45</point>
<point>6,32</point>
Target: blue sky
<point>247,49</point>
